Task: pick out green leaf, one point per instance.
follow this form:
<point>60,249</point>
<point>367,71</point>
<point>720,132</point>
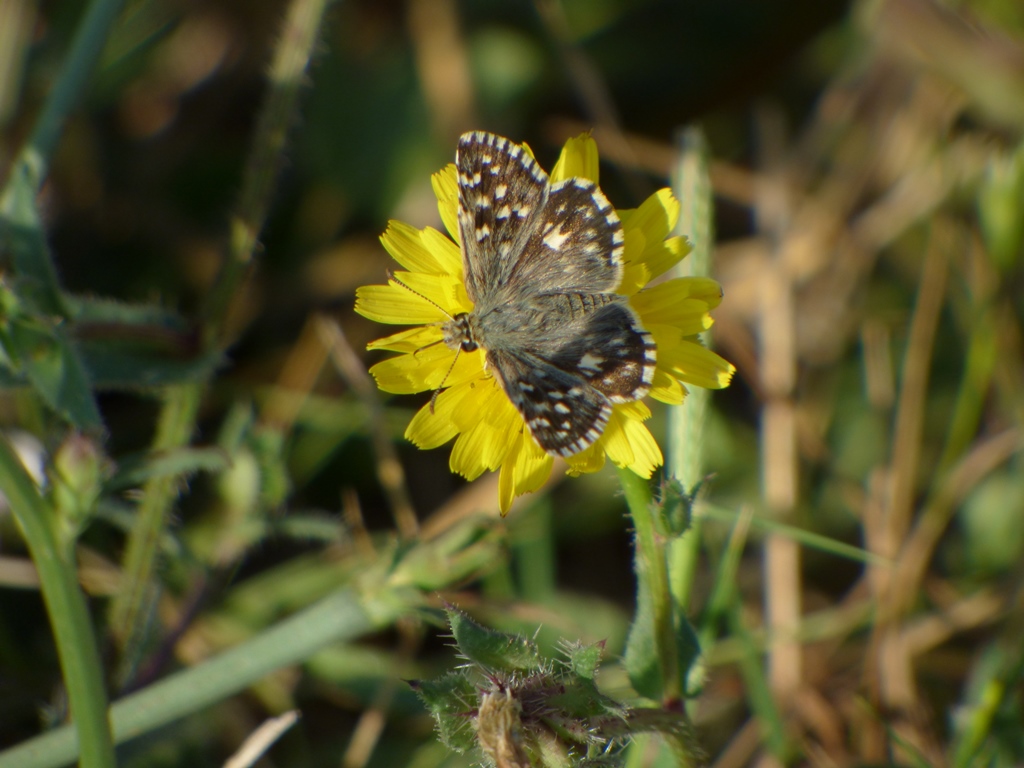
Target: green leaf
<point>671,517</point>
<point>675,508</point>
<point>585,659</point>
<point>999,202</point>
<point>88,310</point>
<point>48,359</point>
<point>120,366</point>
<point>36,350</point>
<point>452,700</point>
<point>460,553</point>
<point>135,470</point>
<point>22,240</point>
<point>494,651</point>
<point>138,346</point>
<point>641,656</point>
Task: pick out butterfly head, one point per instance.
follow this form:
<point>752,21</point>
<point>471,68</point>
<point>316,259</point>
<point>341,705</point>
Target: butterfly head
<point>460,333</point>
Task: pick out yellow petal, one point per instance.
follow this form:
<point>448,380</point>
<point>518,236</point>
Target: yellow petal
<point>682,303</point>
<point>689,362</point>
<point>681,317</point>
<point>444,250</point>
<point>427,368</point>
<point>446,292</point>
<point>533,467</point>
<point>661,256</point>
<point>446,189</point>
<point>578,159</point>
<point>501,434</point>
<point>489,429</point>
<point>525,469</point>
<point>406,246</point>
<point>616,442</point>
<point>431,429</point>
<point>410,340</point>
<point>655,217</point>
<point>703,288</point>
<point>395,305</point>
<point>636,410</point>
<point>467,370</point>
<point>586,461</point>
<point>635,274</point>
<point>646,453</point>
<point>629,443</point>
<point>482,396</point>
<point>667,389</point>
<point>467,458</point>
<point>408,374</point>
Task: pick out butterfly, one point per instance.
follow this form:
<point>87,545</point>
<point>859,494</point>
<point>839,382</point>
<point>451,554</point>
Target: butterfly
<point>541,264</point>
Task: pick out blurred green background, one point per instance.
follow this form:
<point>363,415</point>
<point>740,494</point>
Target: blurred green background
<point>869,188</point>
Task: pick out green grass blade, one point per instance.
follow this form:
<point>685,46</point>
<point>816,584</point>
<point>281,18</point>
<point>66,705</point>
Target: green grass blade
<point>343,615</point>
<point>69,616</point>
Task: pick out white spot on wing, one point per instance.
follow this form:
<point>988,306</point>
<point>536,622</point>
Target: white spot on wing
<point>555,240</point>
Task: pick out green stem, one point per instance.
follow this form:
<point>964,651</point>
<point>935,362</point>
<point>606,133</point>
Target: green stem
<point>291,57</point>
<point>692,186</point>
<point>343,615</point>
<point>759,694</point>
<point>801,536</point>
<point>20,226</point>
<point>78,67</point>
<point>299,35</point>
<point>177,418</point>
<point>651,567</point>
<point>69,616</point>
<point>65,603</point>
<point>1007,673</point>
<point>979,367</point>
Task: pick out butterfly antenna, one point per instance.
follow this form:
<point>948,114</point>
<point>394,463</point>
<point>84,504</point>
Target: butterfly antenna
<point>391,276</point>
<point>437,392</point>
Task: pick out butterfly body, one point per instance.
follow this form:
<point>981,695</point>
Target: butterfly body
<point>542,262</point>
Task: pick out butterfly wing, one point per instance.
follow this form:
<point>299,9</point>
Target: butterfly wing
<point>541,264</point>
<point>607,347</point>
<point>519,235</point>
<point>563,413</point>
<point>568,359</point>
<point>502,193</point>
<point>576,246</point>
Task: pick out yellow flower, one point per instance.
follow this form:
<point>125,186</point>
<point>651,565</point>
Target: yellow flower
<point>472,407</point>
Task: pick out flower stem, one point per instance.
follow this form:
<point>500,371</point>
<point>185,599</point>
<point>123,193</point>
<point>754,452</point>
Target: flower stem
<point>692,186</point>
<point>652,571</point>
<point>69,616</point>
